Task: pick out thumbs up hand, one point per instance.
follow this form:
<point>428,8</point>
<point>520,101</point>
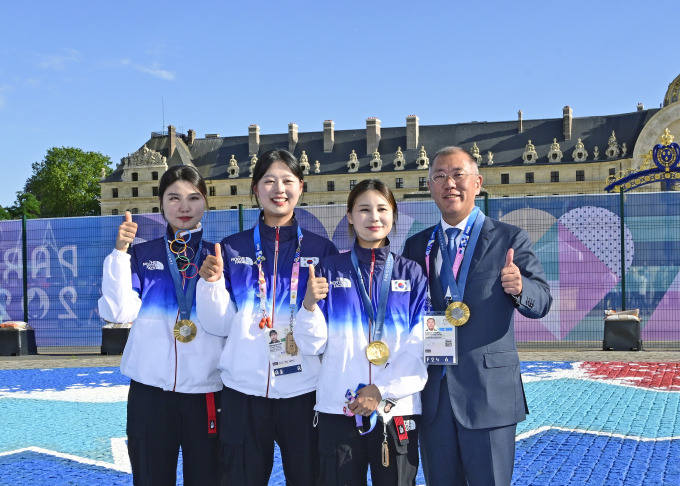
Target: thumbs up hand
<point>213,266</point>
<point>511,278</point>
<point>317,289</point>
<point>126,233</point>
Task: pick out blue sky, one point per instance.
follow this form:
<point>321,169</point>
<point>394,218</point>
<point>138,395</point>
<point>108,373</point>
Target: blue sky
<point>102,76</point>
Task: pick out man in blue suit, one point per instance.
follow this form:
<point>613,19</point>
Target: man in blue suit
<point>471,409</point>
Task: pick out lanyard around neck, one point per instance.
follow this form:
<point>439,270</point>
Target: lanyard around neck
<point>185,297</point>
<point>262,282</point>
<point>378,320</point>
<point>470,235</point>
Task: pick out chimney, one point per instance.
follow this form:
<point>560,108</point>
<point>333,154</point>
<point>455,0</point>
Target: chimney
<point>253,139</point>
<point>412,132</point>
<point>292,136</point>
<point>640,107</point>
<point>372,134</point>
<point>328,135</point>
<point>519,122</point>
<point>191,136</point>
<point>172,140</point>
<point>566,123</point>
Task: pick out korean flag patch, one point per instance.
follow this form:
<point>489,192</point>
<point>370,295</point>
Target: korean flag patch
<point>401,286</point>
<point>307,261</point>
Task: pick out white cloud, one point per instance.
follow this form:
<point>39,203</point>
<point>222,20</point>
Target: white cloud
<point>156,71</point>
<point>59,62</point>
<point>153,70</point>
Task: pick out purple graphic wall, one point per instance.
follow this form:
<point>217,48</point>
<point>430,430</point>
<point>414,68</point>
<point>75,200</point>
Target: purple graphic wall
<point>577,238</point>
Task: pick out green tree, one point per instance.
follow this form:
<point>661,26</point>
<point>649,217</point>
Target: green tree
<point>25,203</point>
<point>4,214</point>
<point>66,182</point>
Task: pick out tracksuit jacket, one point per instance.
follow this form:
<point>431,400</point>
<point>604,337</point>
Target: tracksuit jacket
<point>338,330</point>
<point>230,307</point>
<point>137,287</point>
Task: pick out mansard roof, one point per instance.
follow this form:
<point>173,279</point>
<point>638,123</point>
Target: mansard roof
<point>211,155</point>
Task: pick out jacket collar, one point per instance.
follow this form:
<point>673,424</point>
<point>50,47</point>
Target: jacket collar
<point>285,232</point>
<point>364,254</point>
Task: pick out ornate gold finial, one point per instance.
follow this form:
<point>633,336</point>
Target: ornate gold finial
<point>667,137</point>
<point>646,161</point>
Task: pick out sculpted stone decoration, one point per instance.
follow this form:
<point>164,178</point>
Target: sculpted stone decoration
<point>613,150</point>
<point>555,154</point>
<point>353,164</point>
<point>376,162</point>
<point>103,174</point>
<point>304,163</point>
<point>529,156</point>
<point>253,161</point>
<point>422,162</point>
<point>145,157</point>
<point>489,158</point>
<point>474,151</point>
<point>596,153</point>
<point>624,149</point>
<point>232,170</point>
<point>317,167</point>
<point>399,162</point>
<point>580,154</point>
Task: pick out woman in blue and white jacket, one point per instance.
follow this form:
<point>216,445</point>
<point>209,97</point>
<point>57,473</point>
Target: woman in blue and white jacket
<point>172,362</point>
<point>249,293</point>
<point>368,329</point>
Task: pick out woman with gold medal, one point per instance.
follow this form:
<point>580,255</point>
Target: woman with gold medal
<point>175,384</point>
<point>250,292</point>
<point>362,312</point>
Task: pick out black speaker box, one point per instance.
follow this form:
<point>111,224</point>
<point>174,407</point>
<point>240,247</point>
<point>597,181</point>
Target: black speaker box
<point>622,335</point>
<point>17,342</point>
<point>114,339</point>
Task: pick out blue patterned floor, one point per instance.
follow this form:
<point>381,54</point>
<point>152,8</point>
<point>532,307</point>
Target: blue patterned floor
<point>590,423</point>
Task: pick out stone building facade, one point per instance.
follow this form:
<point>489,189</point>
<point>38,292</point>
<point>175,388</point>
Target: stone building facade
<point>567,155</point>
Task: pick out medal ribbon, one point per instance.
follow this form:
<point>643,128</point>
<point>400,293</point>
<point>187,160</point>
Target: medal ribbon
<point>378,320</point>
<point>294,279</point>
<point>185,297</point>
<point>469,238</point>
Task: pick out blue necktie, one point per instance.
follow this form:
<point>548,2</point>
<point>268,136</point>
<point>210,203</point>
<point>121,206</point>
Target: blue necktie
<point>451,234</point>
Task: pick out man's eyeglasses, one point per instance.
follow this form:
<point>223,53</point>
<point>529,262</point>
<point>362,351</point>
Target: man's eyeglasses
<point>442,177</point>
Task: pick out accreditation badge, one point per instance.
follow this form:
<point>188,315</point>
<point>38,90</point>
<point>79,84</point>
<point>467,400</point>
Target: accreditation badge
<point>440,344</point>
<point>284,355</point>
<point>184,331</point>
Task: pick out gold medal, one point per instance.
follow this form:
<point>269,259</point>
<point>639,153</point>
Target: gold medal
<point>184,331</point>
<point>457,313</point>
<point>377,353</point>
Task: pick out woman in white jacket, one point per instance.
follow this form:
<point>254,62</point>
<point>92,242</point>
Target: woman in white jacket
<point>249,292</point>
<point>175,384</point>
<point>367,327</point>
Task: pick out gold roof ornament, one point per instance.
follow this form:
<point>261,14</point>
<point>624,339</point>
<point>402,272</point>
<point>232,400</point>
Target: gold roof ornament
<point>667,137</point>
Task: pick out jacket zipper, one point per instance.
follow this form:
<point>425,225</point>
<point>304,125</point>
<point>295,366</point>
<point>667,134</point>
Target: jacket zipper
<point>276,261</point>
